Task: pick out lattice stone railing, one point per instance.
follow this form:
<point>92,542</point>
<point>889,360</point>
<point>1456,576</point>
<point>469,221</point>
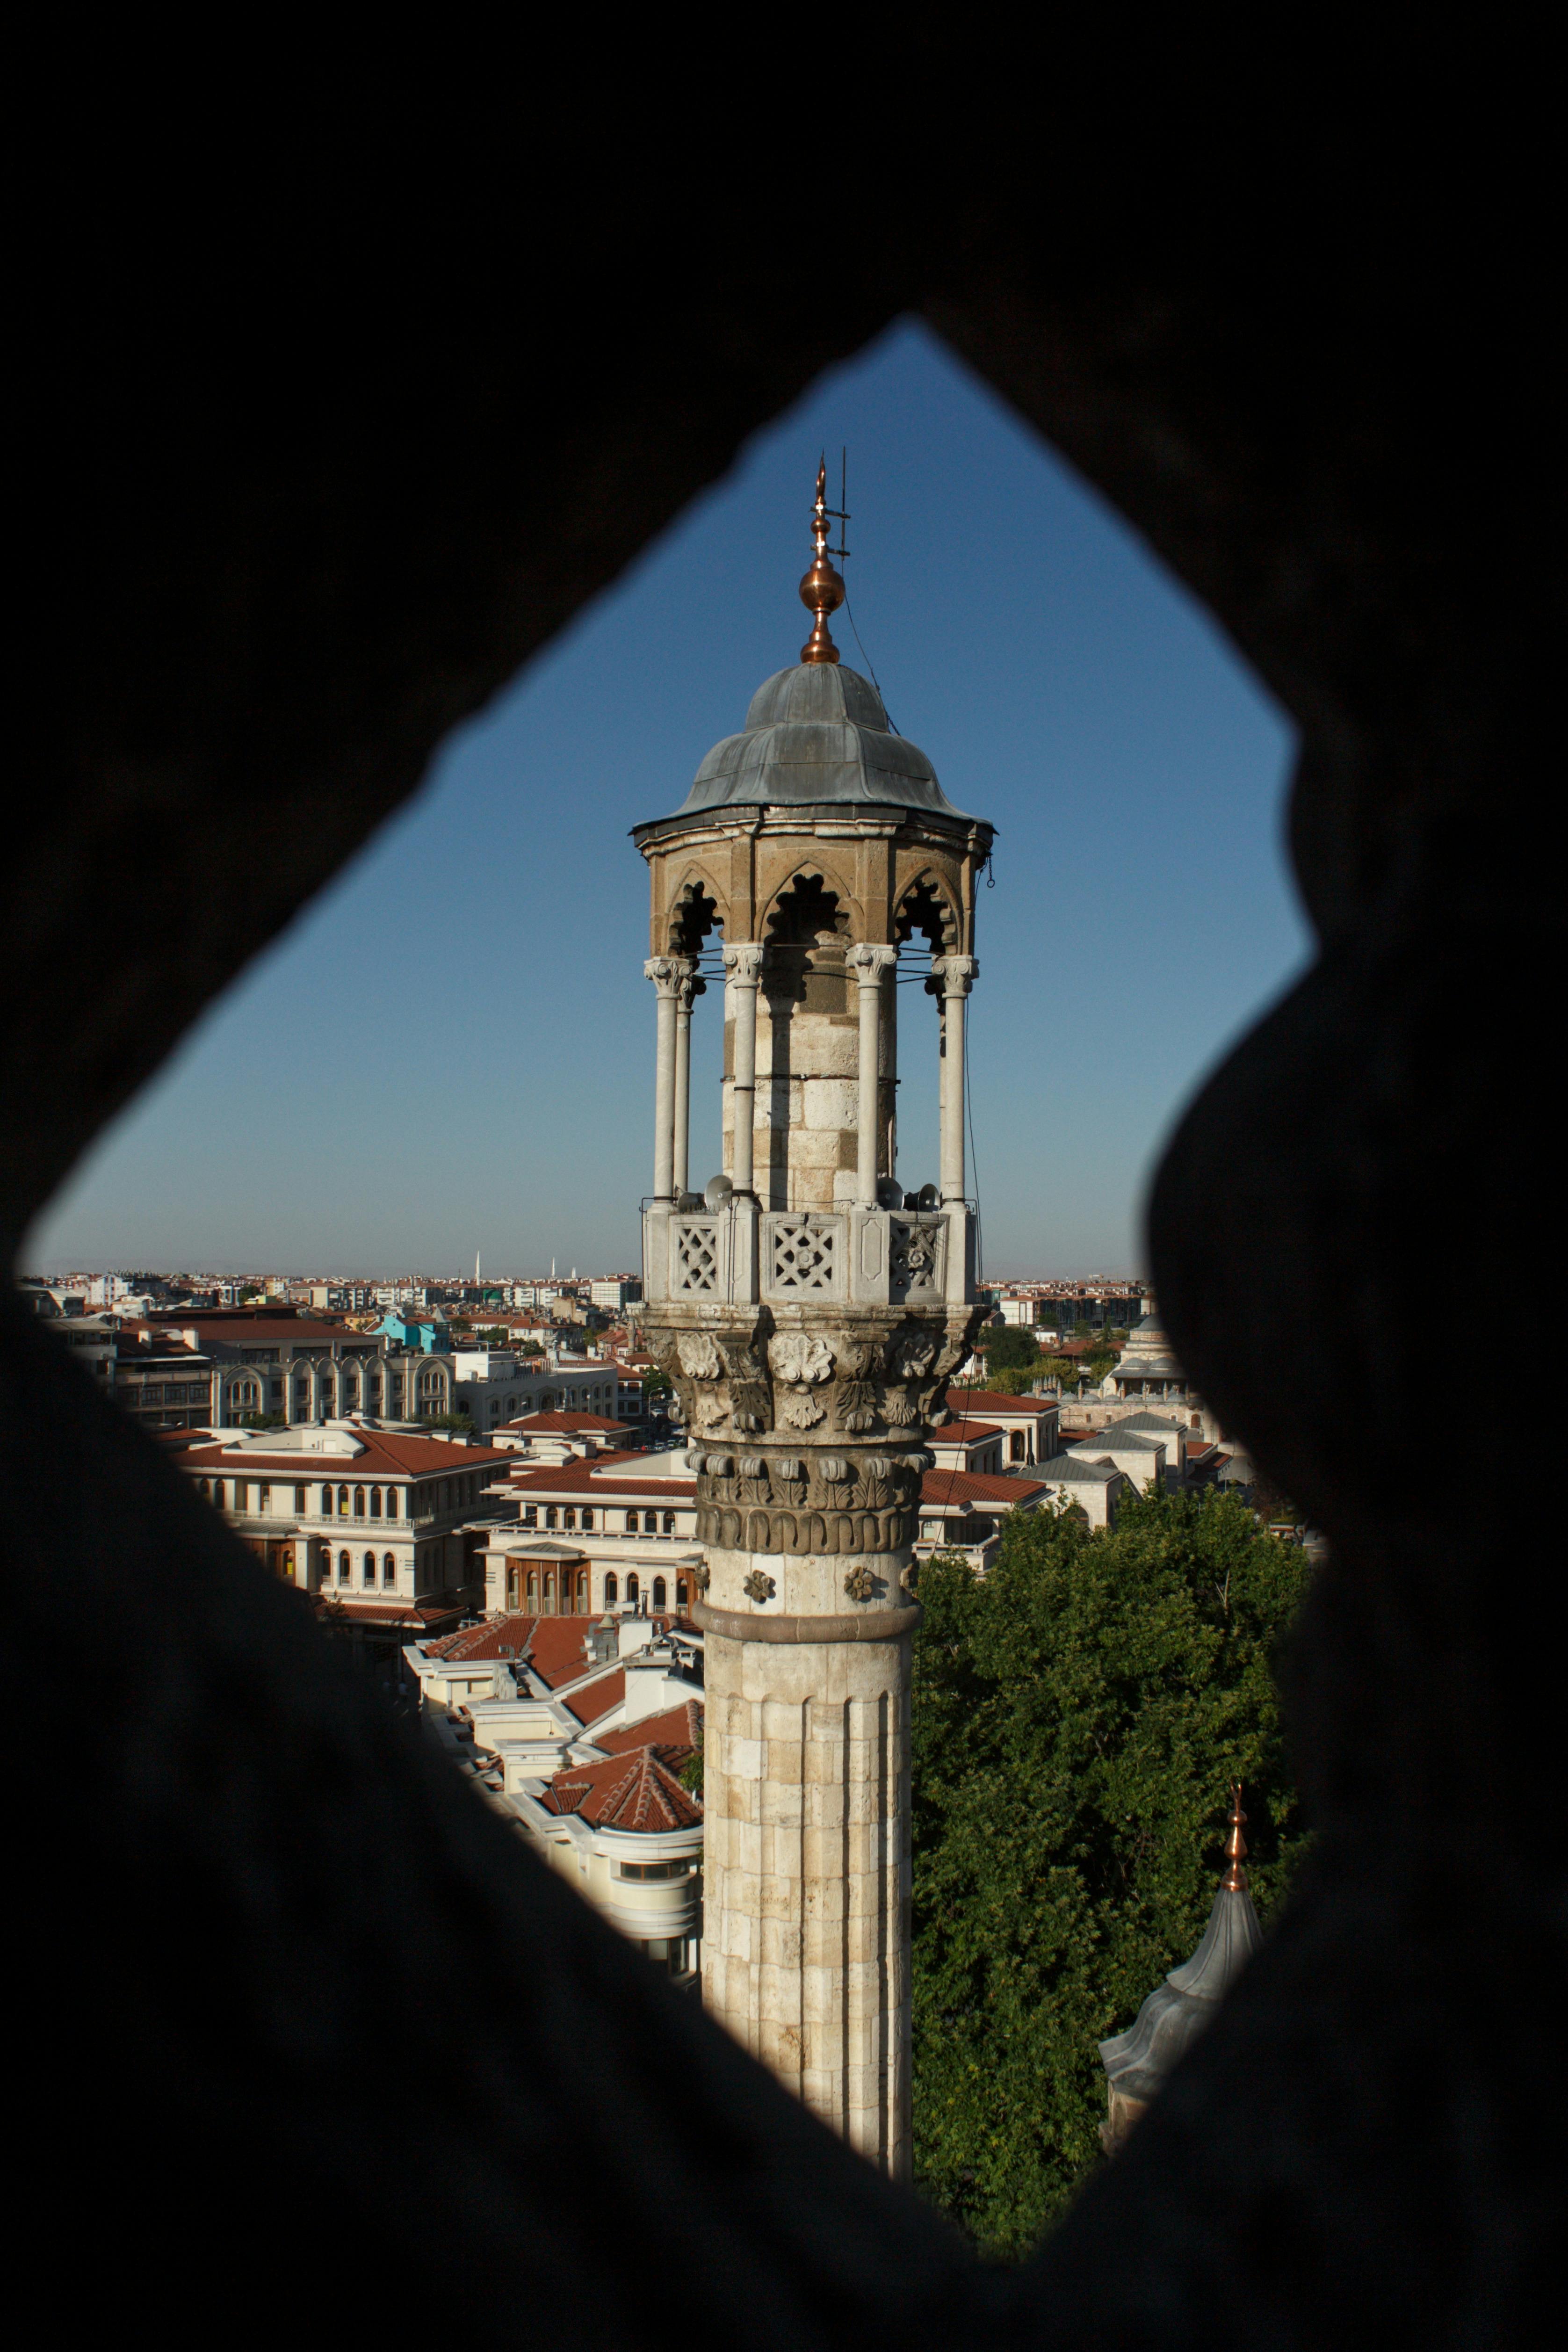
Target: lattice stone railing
<point>694,1267</point>
<point>802,1256</point>
<point>839,1258</point>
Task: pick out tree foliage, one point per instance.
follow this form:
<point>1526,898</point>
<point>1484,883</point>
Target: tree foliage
<point>1007,1346</point>
<point>1078,1716</point>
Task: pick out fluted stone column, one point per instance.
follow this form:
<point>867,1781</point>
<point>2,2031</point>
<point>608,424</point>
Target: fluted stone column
<point>869,964</point>
<point>743,971</point>
<point>956,974</point>
<point>666,972</point>
<point>807,1868</point>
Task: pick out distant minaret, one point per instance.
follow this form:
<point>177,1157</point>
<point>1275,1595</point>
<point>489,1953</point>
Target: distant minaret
<point>809,1314</point>
<point>475,1269</point>
<point>1136,2063</point>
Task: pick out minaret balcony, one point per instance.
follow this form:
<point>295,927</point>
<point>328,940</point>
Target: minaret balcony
<point>740,1254</point>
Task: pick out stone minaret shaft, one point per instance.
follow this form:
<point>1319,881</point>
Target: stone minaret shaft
<point>811,1315</point>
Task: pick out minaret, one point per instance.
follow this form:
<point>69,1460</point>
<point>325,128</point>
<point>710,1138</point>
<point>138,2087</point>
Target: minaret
<point>1136,2063</point>
<point>810,1313</point>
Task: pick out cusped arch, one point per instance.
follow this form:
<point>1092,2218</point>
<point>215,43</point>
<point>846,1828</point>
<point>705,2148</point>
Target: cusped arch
<point>926,910</point>
<point>698,908</point>
<point>814,899</point>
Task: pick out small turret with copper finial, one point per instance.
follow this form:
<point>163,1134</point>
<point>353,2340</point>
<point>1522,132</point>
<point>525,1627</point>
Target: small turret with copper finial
<point>822,590</point>
<point>1137,2062</point>
<point>1235,1879</point>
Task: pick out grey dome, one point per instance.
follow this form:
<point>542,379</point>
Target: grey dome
<point>816,732</point>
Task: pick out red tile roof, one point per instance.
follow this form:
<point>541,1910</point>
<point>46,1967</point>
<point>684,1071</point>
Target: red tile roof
<point>634,1792</point>
<point>497,1637</point>
<point>964,1432</point>
<point>597,1697</point>
<point>963,1401</point>
<point>385,1454</point>
<point>244,1330</point>
<point>552,1646</point>
<point>940,1487</point>
<point>673,1735</point>
<point>588,1478</point>
<point>567,1424</point>
<point>411,1616</point>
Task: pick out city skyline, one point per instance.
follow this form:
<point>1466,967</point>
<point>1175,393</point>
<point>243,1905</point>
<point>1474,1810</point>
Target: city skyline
<point>449,1047</point>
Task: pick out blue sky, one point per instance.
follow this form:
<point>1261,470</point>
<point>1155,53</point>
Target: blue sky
<point>450,1048</point>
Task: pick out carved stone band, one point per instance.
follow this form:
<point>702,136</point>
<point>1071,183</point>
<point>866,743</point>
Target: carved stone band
<point>867,1625</point>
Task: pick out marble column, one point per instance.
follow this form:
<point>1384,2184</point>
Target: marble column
<point>743,971</point>
<point>689,988</point>
<point>956,974</point>
<point>666,972</point>
<point>869,965</point>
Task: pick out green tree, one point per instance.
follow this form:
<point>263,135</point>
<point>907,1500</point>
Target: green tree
<point>463,1423</point>
<point>1008,1347</point>
<point>1077,1715</point>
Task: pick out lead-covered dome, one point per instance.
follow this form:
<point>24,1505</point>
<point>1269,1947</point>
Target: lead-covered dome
<point>814,733</point>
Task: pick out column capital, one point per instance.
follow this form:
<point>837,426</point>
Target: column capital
<point>743,962</point>
<point>870,963</point>
<point>959,973</point>
<point>668,974</point>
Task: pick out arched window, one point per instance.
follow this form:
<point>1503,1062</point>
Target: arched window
<point>611,1590</point>
<point>343,1568</point>
<point>660,1593</point>
<point>369,1568</point>
<point>682,1595</point>
<point>392,1502</point>
<point>587,1520</point>
<point>218,1493</point>
<point>571,1519</point>
<point>552,1516</point>
<point>375,1502</point>
<point>389,1570</point>
<point>582,1587</point>
<point>359,1501</point>
<point>324,1564</point>
<point>631,1586</point>
<point>630,1523</point>
<point>1016,1445</point>
<point>549,1592</point>
<point>650,1523</point>
<point>669,1523</point>
<point>533,1589</point>
<point>342,1502</point>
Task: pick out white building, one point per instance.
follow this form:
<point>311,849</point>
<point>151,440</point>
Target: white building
<point>494,1386</point>
<point>600,1532</point>
<point>578,1733</point>
<point>377,1523</point>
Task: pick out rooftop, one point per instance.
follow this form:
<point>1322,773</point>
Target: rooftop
<point>816,733</point>
<point>624,1792</point>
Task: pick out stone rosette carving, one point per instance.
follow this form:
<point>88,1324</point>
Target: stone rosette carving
<point>759,1587</point>
<point>860,1584</point>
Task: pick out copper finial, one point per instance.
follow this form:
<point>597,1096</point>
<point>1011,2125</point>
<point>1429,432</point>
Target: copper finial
<point>1235,1879</point>
<point>822,590</point>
